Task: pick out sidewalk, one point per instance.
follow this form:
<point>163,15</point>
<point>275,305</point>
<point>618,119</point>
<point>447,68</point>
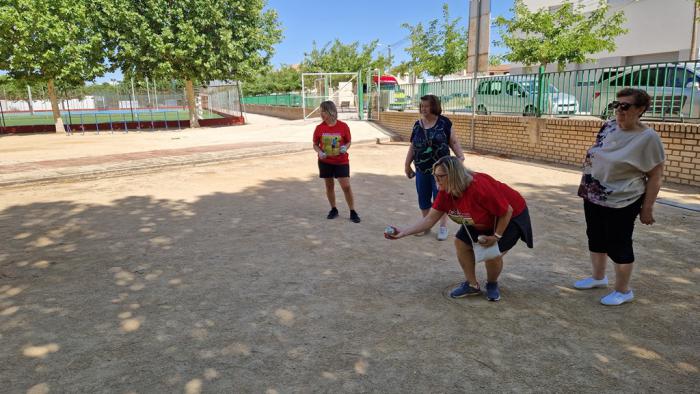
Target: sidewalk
<point>45,158</point>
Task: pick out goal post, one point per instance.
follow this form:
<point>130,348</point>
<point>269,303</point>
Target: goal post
<point>343,88</point>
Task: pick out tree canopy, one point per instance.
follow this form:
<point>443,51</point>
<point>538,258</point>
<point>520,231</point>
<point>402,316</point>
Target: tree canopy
<point>283,80</point>
<point>200,40</point>
<point>195,40</point>
<point>440,49</point>
<point>50,39</point>
<point>53,42</point>
<point>336,56</point>
<point>565,35</point>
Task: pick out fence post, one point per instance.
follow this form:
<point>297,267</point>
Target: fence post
<point>423,88</point>
<point>360,96</point>
<point>541,89</point>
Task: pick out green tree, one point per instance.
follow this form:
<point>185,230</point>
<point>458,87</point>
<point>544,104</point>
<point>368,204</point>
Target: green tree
<point>441,49</point>
<point>18,90</point>
<point>283,80</point>
<point>566,35</point>
<point>50,41</point>
<point>495,60</point>
<point>193,40</point>
<point>418,49</point>
<point>339,57</point>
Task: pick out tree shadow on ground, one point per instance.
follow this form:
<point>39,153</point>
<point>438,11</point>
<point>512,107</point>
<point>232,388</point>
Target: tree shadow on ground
<point>256,291</point>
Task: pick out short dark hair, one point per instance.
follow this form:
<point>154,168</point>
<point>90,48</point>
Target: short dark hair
<point>640,96</point>
<point>434,102</point>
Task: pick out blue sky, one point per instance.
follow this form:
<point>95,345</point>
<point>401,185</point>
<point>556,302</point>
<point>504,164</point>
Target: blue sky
<point>304,21</point>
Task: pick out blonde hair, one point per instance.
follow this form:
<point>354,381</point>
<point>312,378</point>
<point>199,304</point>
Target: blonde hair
<point>459,177</point>
<point>329,108</point>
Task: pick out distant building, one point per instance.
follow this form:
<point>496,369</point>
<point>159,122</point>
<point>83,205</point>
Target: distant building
<point>658,31</point>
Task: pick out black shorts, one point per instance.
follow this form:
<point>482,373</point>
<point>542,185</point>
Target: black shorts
<point>519,228</point>
<point>326,170</point>
<point>609,230</point>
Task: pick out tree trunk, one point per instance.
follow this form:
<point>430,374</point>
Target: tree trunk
<point>194,122</point>
<point>30,101</point>
<point>54,108</point>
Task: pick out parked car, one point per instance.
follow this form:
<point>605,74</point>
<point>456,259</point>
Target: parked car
<point>521,96</point>
<point>674,89</point>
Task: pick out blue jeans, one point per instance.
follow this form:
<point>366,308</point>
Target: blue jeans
<point>427,190</point>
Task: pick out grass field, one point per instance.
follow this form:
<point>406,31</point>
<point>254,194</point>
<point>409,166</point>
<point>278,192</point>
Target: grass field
<point>83,117</point>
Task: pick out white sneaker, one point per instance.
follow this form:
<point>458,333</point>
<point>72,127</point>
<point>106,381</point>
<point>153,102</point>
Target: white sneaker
<point>442,234</point>
<point>617,298</point>
<point>590,283</point>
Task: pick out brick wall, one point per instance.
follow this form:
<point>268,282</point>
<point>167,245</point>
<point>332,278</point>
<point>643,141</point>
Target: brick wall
<point>291,113</point>
<point>559,140</point>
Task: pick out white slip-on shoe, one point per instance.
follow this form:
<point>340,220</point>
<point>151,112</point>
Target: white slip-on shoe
<point>617,298</point>
<point>590,283</point>
<point>442,233</point>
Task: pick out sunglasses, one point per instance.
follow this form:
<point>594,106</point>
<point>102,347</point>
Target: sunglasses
<point>621,106</point>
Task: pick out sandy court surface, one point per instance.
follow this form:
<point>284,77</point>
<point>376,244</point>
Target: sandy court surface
<point>35,147</point>
<point>228,278</point>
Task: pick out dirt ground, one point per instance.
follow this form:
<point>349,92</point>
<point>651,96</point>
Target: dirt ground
<point>228,278</point>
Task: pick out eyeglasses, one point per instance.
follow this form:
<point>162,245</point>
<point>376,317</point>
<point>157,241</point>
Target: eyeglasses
<point>621,106</point>
<point>440,176</point>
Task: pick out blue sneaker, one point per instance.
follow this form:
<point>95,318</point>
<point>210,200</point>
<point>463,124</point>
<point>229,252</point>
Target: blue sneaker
<point>492,293</point>
<point>464,290</point>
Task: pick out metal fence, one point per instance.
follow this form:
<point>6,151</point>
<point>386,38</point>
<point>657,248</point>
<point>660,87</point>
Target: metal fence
<point>125,106</point>
<point>674,89</point>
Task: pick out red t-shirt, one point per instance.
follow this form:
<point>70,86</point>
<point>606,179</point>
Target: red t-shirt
<point>330,139</point>
<point>484,199</point>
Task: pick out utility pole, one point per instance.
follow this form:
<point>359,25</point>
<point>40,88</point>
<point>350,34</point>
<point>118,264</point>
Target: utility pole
<point>389,49</point>
<point>694,37</point>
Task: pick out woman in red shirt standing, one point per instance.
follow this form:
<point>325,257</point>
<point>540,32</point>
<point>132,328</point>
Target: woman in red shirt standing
<point>331,143</point>
<point>488,210</point>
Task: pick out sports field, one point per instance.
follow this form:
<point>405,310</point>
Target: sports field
<point>106,116</point>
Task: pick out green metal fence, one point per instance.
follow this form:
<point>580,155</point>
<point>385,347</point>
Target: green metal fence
<point>282,99</point>
<point>674,89</point>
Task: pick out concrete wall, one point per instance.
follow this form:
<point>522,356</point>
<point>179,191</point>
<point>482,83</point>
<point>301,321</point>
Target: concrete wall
<point>291,113</point>
<point>562,141</point>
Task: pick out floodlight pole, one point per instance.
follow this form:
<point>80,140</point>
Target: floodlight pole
<point>694,34</point>
<point>303,97</point>
<point>472,137</point>
<point>379,92</point>
<point>2,114</point>
<point>131,102</point>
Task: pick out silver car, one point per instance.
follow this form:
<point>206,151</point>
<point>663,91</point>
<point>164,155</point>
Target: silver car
<point>505,95</point>
<point>674,89</point>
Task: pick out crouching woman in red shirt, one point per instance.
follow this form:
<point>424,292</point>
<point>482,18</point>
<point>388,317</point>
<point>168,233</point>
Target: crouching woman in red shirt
<point>488,211</point>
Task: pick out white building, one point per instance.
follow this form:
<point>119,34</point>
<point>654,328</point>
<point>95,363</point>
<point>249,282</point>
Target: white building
<point>658,31</point>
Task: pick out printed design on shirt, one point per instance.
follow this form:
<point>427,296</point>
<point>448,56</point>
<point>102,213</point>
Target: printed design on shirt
<point>429,145</point>
<point>590,188</point>
<point>460,218</point>
<point>331,144</point>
